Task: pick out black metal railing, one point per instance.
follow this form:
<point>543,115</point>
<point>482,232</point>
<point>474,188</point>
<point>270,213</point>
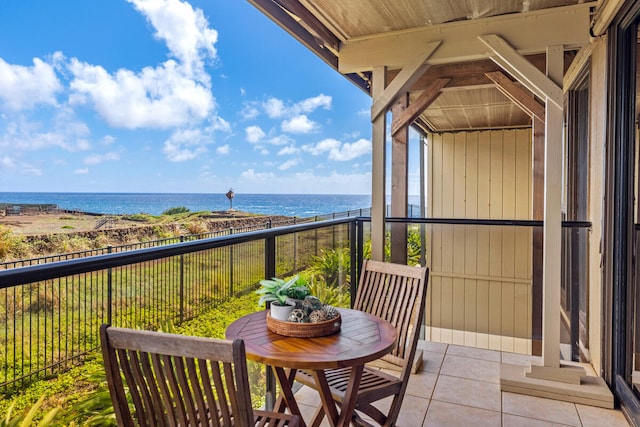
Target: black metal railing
<point>52,312</point>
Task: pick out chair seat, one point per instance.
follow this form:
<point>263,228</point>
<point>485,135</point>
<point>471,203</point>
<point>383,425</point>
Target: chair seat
<point>273,419</point>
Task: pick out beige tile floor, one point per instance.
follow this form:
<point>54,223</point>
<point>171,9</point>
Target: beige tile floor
<point>460,386</point>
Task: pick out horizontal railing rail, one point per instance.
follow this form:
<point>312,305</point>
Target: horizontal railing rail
<point>54,270</point>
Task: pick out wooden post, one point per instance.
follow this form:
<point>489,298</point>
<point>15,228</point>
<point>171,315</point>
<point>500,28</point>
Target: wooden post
<point>552,249</point>
<point>378,192</point>
<point>399,183</point>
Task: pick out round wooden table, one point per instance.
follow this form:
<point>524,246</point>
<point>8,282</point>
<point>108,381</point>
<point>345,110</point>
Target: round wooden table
<point>361,339</point>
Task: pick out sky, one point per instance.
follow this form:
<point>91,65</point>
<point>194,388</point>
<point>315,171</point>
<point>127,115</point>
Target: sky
<point>173,96</point>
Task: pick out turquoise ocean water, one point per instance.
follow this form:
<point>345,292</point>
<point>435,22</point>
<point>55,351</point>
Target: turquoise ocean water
<point>300,205</point>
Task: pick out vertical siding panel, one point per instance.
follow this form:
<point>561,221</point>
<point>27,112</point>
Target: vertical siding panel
<point>482,325</point>
<point>471,241</point>
<point>495,240</point>
<point>483,233</point>
<point>523,204</point>
<point>459,196</point>
<point>436,236</point>
<point>484,175</point>
<point>448,165</point>
<point>508,316</point>
<point>495,315</point>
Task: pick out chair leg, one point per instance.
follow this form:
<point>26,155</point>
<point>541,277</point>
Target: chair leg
<point>317,417</point>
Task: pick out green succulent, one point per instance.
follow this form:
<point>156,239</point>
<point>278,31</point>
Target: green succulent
<point>278,290</point>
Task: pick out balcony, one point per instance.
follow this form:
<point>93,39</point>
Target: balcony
<point>480,306</point>
<point>459,386</point>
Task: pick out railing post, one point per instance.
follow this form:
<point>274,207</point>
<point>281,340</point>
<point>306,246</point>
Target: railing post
<point>181,284</point>
<point>353,254</point>
<point>231,265</point>
<point>109,292</point>
<point>269,272</point>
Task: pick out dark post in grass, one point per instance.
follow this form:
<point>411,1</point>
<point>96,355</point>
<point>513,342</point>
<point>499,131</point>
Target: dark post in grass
<point>230,194</point>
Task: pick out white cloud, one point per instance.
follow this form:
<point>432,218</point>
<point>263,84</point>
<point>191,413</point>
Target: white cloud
<point>62,131</point>
<point>81,171</point>
<point>288,150</point>
<point>337,151</point>
<point>251,175</point>
<point>307,182</point>
<point>218,123</point>
<point>254,134</point>
<point>280,140</point>
<point>299,124</point>
<point>250,111</point>
<point>288,164</point>
<point>7,162</point>
<point>225,149</point>
<point>275,108</point>
<point>108,140</point>
<point>20,168</point>
<point>311,104</point>
<point>322,146</point>
<point>184,29</point>
<point>25,87</point>
<point>161,97</point>
<point>101,158</point>
<point>351,151</point>
<point>186,144</point>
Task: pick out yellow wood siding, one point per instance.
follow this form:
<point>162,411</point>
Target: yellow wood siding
<point>480,280</point>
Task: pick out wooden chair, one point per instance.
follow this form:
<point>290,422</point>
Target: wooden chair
<point>176,380</point>
<point>397,294</point>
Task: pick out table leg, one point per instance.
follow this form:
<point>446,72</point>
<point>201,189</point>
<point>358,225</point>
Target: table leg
<point>329,406</point>
<point>351,395</point>
<point>285,378</point>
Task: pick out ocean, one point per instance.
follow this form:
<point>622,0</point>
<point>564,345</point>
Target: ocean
<point>299,205</point>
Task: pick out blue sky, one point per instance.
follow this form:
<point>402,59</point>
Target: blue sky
<point>173,96</point>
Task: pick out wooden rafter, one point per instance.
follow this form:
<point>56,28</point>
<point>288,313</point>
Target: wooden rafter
<point>283,18</point>
<point>403,81</point>
<point>328,38</point>
<point>520,96</point>
<point>416,108</point>
<point>503,54</point>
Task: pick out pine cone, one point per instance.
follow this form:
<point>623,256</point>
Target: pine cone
<point>331,311</point>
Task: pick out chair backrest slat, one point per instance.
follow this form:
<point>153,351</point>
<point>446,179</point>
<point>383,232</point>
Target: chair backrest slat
<point>395,293</point>
<point>176,380</point>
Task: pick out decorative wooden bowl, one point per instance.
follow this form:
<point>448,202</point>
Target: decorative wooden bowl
<point>304,330</point>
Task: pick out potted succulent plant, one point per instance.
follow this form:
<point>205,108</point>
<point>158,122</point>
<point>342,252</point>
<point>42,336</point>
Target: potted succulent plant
<point>279,293</point>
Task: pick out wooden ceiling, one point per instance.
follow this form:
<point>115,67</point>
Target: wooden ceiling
<point>469,100</point>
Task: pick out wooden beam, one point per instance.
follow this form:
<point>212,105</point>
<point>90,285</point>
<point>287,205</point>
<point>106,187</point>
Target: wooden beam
<point>577,65</point>
<point>399,183</point>
<point>278,15</point>
<point>327,37</point>
<point>552,253</point>
<point>521,97</point>
<point>409,114</point>
<point>471,74</point>
<point>378,171</point>
<point>530,32</point>
<point>522,70</point>
<point>403,81</point>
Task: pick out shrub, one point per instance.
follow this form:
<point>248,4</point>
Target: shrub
<point>26,419</point>
<point>176,210</point>
<point>333,266</point>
